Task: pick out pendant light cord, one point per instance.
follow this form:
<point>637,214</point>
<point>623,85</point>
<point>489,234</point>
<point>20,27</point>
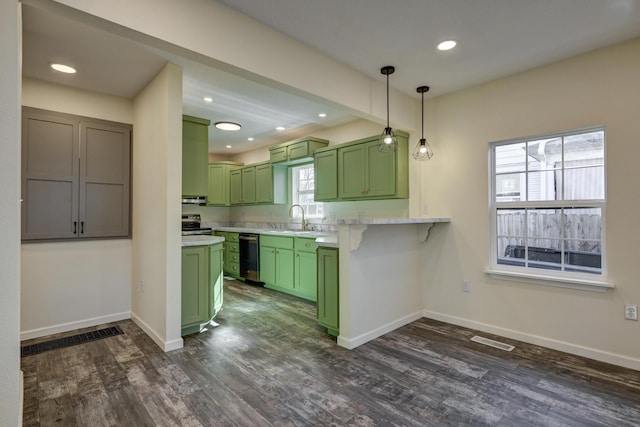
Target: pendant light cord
<point>387,99</point>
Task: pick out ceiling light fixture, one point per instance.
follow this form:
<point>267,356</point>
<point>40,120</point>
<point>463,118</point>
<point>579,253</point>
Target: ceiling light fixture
<point>228,146</point>
<point>280,128</point>
<point>388,142</point>
<point>447,45</point>
<point>322,115</point>
<point>228,126</point>
<point>423,150</point>
<point>208,99</point>
<point>63,68</point>
<point>249,139</point>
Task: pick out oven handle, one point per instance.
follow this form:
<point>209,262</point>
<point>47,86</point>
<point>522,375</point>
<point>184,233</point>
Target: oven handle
<point>248,238</point>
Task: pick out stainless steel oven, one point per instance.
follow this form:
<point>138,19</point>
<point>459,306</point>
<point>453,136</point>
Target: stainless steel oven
<point>250,256</point>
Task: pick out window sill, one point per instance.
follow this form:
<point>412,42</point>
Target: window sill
<point>542,279</point>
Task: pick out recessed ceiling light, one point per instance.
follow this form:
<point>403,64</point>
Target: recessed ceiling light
<point>249,139</point>
<point>63,68</point>
<point>447,45</point>
<point>280,128</point>
<point>322,115</point>
<point>208,99</point>
<point>228,126</point>
<point>228,146</point>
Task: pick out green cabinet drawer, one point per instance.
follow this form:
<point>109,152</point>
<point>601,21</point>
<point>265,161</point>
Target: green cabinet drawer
<point>234,268</point>
<point>234,257</point>
<point>303,244</point>
<point>234,247</point>
<point>281,242</point>
<point>233,237</point>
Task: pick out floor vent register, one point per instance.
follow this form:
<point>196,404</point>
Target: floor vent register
<point>492,343</point>
<point>31,349</point>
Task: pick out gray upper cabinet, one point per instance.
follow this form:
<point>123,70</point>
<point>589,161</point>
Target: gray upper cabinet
<point>75,177</point>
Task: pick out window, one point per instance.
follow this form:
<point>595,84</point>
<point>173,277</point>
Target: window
<point>548,204</point>
<point>302,185</point>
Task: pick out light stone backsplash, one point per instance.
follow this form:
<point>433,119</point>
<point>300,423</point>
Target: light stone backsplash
<point>322,228</point>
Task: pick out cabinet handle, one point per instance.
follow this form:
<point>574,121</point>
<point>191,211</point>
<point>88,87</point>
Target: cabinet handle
<point>75,227</point>
<point>298,255</point>
<point>307,244</point>
<point>81,227</point>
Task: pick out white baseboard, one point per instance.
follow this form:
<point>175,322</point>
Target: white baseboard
<point>351,343</point>
<point>164,345</point>
<point>578,350</point>
<point>70,326</point>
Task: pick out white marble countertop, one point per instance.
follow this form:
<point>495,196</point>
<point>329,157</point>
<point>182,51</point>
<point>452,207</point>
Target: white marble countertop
<point>328,241</point>
<point>201,240</point>
<point>383,221</point>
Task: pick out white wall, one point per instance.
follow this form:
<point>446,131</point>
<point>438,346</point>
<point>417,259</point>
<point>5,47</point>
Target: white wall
<point>56,276</point>
<point>10,71</point>
<point>598,88</point>
<point>157,189</point>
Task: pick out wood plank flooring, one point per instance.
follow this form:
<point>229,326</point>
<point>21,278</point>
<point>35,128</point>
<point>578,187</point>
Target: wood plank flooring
<point>268,363</point>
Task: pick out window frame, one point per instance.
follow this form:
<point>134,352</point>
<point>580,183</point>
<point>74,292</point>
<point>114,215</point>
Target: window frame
<point>295,192</point>
<point>569,279</point>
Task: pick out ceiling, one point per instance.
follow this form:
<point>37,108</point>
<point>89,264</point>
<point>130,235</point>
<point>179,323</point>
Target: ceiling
<point>495,38</point>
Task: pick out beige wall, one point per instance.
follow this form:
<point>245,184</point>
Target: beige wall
<point>10,71</point>
<point>157,189</point>
<point>56,276</point>
<point>598,88</point>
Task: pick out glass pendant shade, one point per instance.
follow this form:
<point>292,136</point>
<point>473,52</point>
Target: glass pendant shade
<point>423,150</point>
<point>388,141</point>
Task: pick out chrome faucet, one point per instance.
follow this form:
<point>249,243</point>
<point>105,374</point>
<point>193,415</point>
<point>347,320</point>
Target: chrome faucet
<point>304,223</point>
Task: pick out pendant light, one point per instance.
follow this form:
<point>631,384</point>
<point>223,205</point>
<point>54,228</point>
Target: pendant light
<point>422,151</point>
<point>388,141</point>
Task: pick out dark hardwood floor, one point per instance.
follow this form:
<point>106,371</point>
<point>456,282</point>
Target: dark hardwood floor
<point>269,363</point>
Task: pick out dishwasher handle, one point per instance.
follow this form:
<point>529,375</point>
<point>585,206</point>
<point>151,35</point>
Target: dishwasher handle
<point>249,237</point>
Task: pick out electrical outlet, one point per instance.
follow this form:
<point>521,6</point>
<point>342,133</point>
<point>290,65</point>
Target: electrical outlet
<point>331,216</point>
<point>466,286</point>
<point>425,209</point>
<point>142,286</point>
<point>361,215</point>
<point>631,311</point>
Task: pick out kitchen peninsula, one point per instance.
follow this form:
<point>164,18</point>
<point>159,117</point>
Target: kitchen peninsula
<point>380,273</point>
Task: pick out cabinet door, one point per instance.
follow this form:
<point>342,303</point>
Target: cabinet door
<point>284,268</point>
<point>235,186</point>
<point>306,274</point>
<point>50,171</point>
<point>104,179</point>
<point>278,155</point>
<point>268,264</point>
<point>381,172</point>
<point>298,150</point>
<point>264,183</point>
<point>195,148</point>
<point>326,175</point>
<point>218,194</point>
<point>195,288</point>
<point>216,279</point>
<point>352,172</point>
<point>328,289</point>
<point>248,185</point>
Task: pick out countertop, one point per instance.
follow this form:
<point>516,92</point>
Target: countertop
<point>201,240</point>
<point>273,232</point>
<point>383,221</point>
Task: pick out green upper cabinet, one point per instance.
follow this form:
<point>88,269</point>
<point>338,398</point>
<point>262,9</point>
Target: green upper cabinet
<point>326,175</point>
<point>195,149</point>
<point>248,185</point>
<point>260,183</point>
<point>296,151</point>
<point>219,183</point>
<point>363,173</point>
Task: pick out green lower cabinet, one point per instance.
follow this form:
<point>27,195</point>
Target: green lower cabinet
<point>202,287</point>
<point>277,263</point>
<point>328,303</point>
<point>231,253</point>
<point>305,268</point>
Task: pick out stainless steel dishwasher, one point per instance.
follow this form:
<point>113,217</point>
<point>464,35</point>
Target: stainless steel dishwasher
<point>250,256</point>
